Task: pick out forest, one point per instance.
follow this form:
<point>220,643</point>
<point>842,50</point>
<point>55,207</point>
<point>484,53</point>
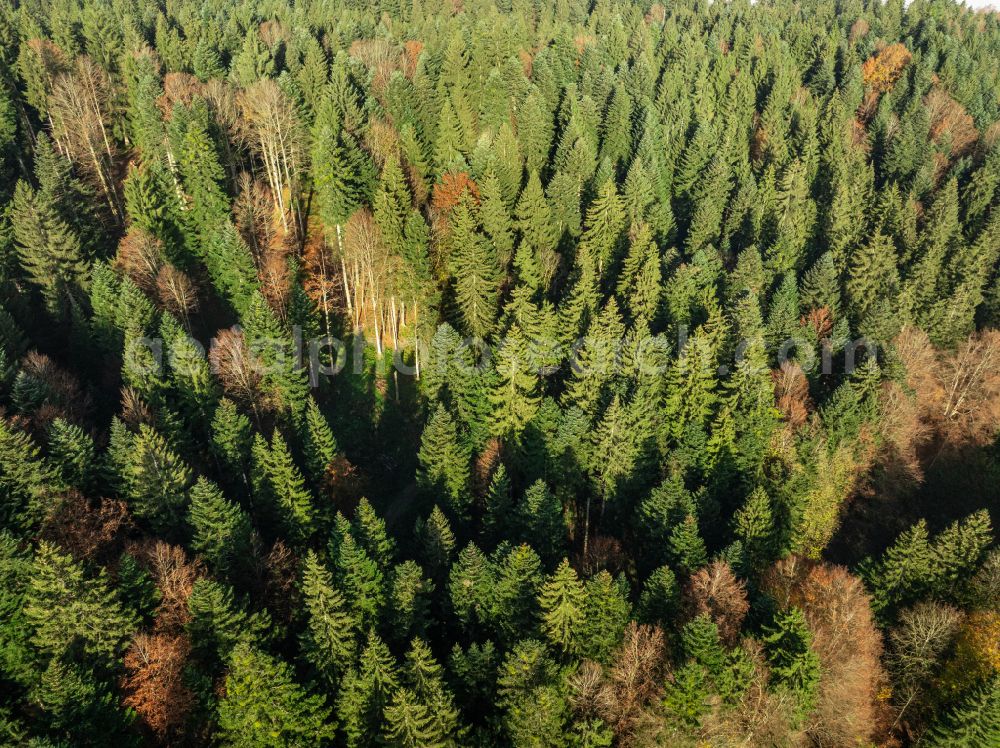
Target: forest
<point>499,373</point>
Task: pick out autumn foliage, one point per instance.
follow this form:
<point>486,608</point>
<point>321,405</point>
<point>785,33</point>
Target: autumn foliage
<point>838,613</point>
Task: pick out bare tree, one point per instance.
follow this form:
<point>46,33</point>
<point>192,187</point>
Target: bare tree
<point>140,256</point>
<point>177,293</point>
<point>271,129</point>
<point>236,367</point>
<point>80,107</point>
<point>715,590</point>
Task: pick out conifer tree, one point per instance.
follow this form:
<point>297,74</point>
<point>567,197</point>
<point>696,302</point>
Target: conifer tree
<point>474,266</point>
<point>444,462</point>
<point>515,594</point>
<point>409,600</point>
<point>319,445</point>
<point>437,541</point>
<point>496,220</point>
<point>49,250</point>
<point>369,530</point>
<point>221,530</point>
<point>278,482</point>
<point>514,399</point>
<point>534,222</point>
<point>219,623</point>
<point>754,527</point>
<point>687,549</point>
<point>73,455</point>
<point>70,612</point>
<point>470,587</point>
<point>606,613</point>
<point>156,480</point>
<point>603,226</point>
<point>794,665</point>
<point>328,642</point>
<point>265,706</point>
<point>660,597</point>
<point>820,286</point>
<point>973,723</point>
<point>562,601</point>
<point>359,576</point>
<point>409,724</point>
<point>366,692</point>
<point>540,515</point>
<point>872,275</point>
<point>231,440</point>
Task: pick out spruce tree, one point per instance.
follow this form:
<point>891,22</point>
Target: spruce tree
<point>220,530</point>
<point>410,601</point>
<point>534,222</point>
<point>794,665</point>
<point>328,640</point>
<point>471,587</point>
<point>540,515</point>
<point>515,594</point>
<point>366,692</point>
<point>437,542</point>
<point>49,250</point>
<point>156,480</point>
<point>515,398</point>
<point>69,612</point>
<point>444,462</point>
<point>474,266</point>
<point>264,706</point>
<point>279,484</point>
<point>562,601</point>
<point>319,445</point>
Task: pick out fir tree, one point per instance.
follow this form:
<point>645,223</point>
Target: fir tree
<point>474,266</point>
<point>156,480</point>
<point>687,549</point>
<point>540,515</point>
<point>49,250</point>
<point>470,587</point>
<point>319,445</point>
<point>606,613</point>
<point>278,482</point>
<point>409,600</point>
<point>437,542</point>
<point>515,399</point>
<point>515,594</point>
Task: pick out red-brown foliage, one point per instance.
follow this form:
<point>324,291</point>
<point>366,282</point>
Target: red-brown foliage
<point>881,71</point>
<point>715,590</point>
<point>847,642</point>
<point>791,393</point>
<point>60,393</point>
<point>176,292</point>
<point>411,49</point>
<point>174,575</point>
<point>237,368</point>
<point>140,256</point>
<point>449,191</point>
<point>154,683</point>
<point>88,529</point>
<point>950,121</point>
